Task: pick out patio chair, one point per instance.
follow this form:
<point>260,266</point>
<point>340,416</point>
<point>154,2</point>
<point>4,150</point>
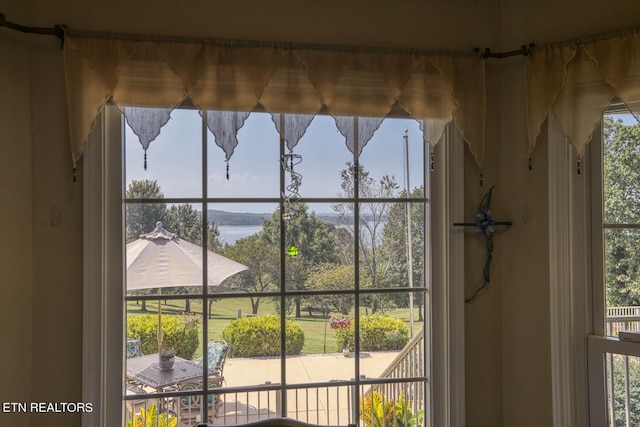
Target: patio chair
<point>134,347</point>
<point>217,354</point>
<point>190,407</point>
<point>278,422</point>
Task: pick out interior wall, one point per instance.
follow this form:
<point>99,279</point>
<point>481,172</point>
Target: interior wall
<point>16,251</point>
<point>57,228</point>
<point>552,21</point>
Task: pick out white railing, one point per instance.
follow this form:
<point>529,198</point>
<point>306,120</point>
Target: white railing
<point>621,367</point>
<point>622,319</point>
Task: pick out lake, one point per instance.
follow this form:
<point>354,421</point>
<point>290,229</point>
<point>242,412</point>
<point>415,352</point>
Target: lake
<point>230,233</point>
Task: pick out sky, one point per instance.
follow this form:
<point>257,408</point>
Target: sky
<point>174,159</point>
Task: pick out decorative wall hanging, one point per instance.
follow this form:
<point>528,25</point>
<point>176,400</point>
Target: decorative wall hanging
<point>484,225</point>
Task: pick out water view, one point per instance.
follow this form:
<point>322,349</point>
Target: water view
<point>230,233</point>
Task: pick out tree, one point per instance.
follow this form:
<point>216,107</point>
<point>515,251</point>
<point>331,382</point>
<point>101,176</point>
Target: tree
<point>263,273</point>
<point>142,217</point>
<point>315,239</point>
<point>331,277</point>
<point>373,214</point>
<point>183,220</point>
<point>394,245</point>
<point>622,206</point>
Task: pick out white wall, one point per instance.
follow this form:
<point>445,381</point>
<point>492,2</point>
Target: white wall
<point>16,206</point>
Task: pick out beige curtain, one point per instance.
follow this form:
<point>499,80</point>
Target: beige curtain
<point>577,81</point>
<point>227,82</point>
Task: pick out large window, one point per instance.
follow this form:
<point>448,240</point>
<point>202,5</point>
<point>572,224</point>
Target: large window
<point>311,301</point>
<point>617,285</point>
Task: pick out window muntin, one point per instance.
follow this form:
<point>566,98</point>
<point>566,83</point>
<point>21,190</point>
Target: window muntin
<point>374,282</point>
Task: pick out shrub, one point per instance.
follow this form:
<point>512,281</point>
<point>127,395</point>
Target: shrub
<point>175,334</point>
<point>260,336</point>
<point>376,333</point>
<point>150,418</point>
<point>377,411</point>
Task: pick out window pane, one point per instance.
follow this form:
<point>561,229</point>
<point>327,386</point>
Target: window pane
<point>254,168</point>
<point>385,156</point>
<point>318,249</point>
<point>324,155</point>
<point>621,169</point>
<point>623,389</point>
<point>622,267</point>
<point>170,158</point>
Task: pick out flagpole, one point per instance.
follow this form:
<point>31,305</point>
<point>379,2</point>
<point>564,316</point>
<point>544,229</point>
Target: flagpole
<point>409,233</point>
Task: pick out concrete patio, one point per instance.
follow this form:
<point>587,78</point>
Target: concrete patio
<point>328,405</point>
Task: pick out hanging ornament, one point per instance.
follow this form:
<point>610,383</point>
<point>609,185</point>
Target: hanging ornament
<point>295,181</point>
<point>293,251</point>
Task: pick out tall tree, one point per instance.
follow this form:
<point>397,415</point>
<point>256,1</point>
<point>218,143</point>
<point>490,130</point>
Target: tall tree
<point>373,214</point>
<point>315,239</point>
<point>395,245</point>
<point>262,260</point>
<point>622,206</point>
<point>142,217</point>
<point>331,277</point>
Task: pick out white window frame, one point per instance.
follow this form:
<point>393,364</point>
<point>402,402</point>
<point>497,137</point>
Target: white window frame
<point>577,290</point>
<point>103,317</point>
<point>570,278</point>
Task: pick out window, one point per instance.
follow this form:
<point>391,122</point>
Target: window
<point>615,226</point>
<point>330,217</point>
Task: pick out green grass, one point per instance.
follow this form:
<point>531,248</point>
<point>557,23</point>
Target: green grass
<point>319,338</point>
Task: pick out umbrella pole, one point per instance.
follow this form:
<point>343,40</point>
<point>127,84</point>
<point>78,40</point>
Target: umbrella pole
<point>159,322</point>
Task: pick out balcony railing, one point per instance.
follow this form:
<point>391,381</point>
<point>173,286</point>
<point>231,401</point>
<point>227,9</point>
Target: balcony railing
<point>622,371</point>
<point>401,385</point>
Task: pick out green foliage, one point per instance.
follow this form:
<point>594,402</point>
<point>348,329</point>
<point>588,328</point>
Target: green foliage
<point>376,333</point>
<point>182,219</point>
<point>394,245</point>
<point>377,411</point>
<point>175,334</point>
<point>622,205</point>
<point>373,215</point>
<point>150,418</point>
<point>263,261</point>
<point>331,277</point>
<point>141,218</point>
<point>619,389</point>
<point>315,239</point>
<point>260,336</point>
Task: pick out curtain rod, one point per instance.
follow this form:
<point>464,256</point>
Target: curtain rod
<point>59,31</point>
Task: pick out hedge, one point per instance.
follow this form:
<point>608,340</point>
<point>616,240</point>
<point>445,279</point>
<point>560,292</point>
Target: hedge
<point>175,335</point>
<point>260,336</point>
<point>376,333</point>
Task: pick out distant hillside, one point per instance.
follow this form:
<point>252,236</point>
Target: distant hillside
<point>246,218</point>
<point>235,218</point>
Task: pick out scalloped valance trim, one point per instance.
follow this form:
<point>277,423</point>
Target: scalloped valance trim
<point>433,88</point>
<point>577,81</point>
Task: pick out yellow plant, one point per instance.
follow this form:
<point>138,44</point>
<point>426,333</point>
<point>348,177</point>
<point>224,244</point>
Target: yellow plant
<point>150,418</point>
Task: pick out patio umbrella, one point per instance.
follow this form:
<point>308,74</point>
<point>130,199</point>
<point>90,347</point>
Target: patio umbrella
<point>161,259</point>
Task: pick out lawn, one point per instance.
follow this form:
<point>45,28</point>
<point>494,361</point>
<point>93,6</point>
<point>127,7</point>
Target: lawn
<point>319,338</point>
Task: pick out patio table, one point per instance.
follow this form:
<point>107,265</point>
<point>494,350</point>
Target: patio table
<point>146,370</point>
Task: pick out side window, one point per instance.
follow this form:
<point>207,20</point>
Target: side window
<point>617,287</point>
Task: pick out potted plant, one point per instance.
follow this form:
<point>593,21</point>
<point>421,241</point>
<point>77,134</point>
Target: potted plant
<point>166,359</point>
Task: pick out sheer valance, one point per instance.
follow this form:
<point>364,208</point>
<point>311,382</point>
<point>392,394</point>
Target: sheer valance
<point>577,81</point>
<point>227,82</point>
